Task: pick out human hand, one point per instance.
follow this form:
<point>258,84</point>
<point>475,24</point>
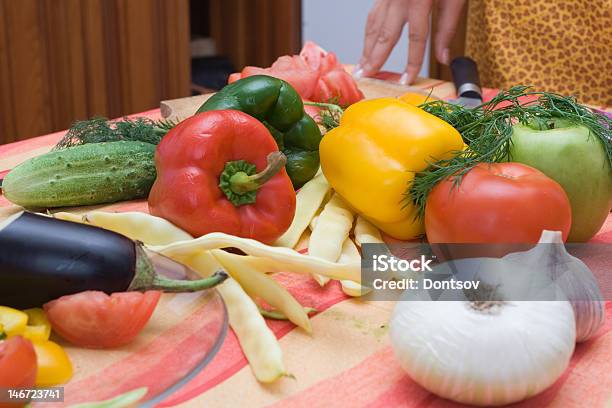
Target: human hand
<point>384,27</point>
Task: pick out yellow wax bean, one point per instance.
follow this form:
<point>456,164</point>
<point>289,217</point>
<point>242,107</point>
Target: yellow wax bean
<point>277,258</point>
<point>366,232</point>
<point>332,228</point>
<point>258,284</point>
<point>350,253</point>
<point>66,216</point>
<point>313,222</point>
<point>308,200</point>
<point>138,226</point>
<point>257,341</point>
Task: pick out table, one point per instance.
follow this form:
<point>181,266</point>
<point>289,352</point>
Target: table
<point>347,361</point>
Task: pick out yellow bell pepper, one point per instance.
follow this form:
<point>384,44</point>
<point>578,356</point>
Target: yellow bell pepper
<point>416,99</point>
<point>372,157</point>
<point>13,321</point>
<point>38,328</point>
<point>54,366</point>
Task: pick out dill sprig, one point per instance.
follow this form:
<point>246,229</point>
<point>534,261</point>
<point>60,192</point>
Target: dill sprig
<point>330,113</point>
<point>100,129</point>
<point>487,131</point>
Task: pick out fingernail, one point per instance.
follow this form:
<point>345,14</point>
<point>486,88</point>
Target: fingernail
<point>357,72</point>
<point>403,79</point>
<point>446,56</point>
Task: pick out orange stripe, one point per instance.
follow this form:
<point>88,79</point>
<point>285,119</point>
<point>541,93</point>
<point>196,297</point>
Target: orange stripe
<point>360,386</point>
<point>379,381</point>
<point>230,359</point>
<point>155,365</point>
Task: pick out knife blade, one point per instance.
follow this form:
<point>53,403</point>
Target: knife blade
<point>467,82</point>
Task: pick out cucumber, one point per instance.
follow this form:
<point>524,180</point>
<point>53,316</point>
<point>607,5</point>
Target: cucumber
<point>95,173</point>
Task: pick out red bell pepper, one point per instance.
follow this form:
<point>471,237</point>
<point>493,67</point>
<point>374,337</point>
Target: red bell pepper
<point>221,171</point>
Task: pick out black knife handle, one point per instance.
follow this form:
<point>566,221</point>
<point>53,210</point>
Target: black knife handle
<point>465,77</point>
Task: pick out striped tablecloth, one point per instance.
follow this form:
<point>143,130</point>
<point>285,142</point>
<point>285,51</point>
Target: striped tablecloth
<point>347,361</point>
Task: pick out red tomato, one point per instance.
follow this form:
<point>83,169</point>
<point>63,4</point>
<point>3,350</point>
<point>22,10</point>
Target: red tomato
<point>17,365</point>
<point>96,320</point>
<point>497,203</point>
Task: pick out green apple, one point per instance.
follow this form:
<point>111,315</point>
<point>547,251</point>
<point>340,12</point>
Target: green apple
<point>578,162</point>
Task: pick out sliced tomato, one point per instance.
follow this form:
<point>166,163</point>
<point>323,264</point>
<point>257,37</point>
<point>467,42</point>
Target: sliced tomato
<point>315,74</point>
<point>334,83</point>
<point>96,320</point>
<point>314,55</point>
<point>17,365</point>
<point>288,68</point>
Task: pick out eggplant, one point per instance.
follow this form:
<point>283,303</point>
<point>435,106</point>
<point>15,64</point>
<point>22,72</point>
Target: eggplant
<point>43,258</point>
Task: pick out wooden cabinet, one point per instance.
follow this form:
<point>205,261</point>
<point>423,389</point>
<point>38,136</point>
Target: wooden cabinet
<point>62,60</point>
<point>255,32</point>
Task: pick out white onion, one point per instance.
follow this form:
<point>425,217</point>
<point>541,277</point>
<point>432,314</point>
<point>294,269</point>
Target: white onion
<point>483,353</point>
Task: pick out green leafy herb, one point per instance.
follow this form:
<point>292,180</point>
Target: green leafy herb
<point>99,130</point>
<point>487,130</point>
<point>330,114</point>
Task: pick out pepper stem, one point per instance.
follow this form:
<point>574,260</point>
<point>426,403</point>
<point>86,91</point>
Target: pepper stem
<point>240,183</point>
<point>145,278</point>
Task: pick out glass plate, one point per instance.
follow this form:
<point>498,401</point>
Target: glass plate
<point>182,337</point>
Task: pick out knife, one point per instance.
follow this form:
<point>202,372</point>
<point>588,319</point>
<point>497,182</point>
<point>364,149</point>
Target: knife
<point>467,82</point>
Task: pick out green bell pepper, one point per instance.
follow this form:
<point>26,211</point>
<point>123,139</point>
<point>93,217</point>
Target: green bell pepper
<point>279,107</point>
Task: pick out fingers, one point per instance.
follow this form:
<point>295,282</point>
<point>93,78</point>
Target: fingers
<point>418,31</point>
<point>387,36</point>
<point>383,29</point>
<point>376,19</point>
<point>449,13</point>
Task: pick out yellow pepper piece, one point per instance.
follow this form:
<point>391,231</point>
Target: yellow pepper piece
<point>13,321</point>
<point>54,366</point>
<point>416,99</point>
<point>372,157</point>
<point>36,333</point>
<point>38,328</point>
